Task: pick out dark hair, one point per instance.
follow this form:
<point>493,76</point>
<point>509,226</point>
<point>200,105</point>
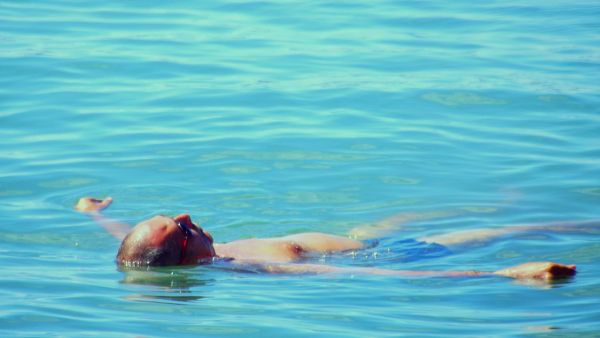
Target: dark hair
<point>137,253</point>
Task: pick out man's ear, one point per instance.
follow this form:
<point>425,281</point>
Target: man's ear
<point>207,234</point>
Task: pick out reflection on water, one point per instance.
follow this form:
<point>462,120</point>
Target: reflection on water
<point>172,284</point>
<point>541,284</point>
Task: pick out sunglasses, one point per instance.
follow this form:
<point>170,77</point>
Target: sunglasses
<point>186,233</point>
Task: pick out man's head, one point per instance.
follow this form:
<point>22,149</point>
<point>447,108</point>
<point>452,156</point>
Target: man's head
<point>162,241</point>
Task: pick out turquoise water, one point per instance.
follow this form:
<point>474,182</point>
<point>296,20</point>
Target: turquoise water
<point>270,118</point>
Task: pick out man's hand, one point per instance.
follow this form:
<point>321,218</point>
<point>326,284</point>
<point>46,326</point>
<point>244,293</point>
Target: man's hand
<point>92,205</point>
<point>539,270</point>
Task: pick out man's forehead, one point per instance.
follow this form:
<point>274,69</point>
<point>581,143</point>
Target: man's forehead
<point>159,220</point>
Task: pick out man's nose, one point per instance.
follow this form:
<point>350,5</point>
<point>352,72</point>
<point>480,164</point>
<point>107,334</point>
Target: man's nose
<point>184,219</point>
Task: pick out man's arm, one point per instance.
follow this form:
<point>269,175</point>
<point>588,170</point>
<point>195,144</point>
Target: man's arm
<point>93,206</point>
<point>545,271</point>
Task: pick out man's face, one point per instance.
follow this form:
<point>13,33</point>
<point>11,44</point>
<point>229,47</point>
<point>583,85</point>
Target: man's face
<point>191,243</point>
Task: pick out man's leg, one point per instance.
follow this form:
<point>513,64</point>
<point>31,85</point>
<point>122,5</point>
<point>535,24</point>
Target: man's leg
<point>395,223</point>
<point>481,236</point>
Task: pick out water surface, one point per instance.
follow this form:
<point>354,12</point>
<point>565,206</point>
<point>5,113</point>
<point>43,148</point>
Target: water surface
<point>274,117</point>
